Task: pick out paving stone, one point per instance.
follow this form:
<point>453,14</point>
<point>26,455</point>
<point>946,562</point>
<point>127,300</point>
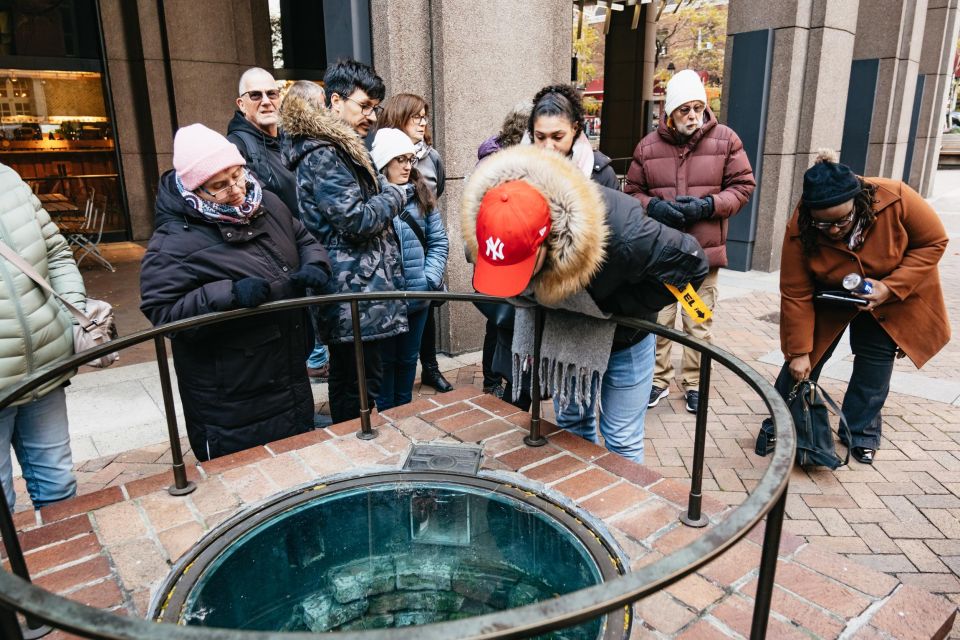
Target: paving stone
<point>645,520</point>
<point>824,625</point>
<point>586,483</point>
<point>920,556</point>
<point>56,532</point>
<point>737,614</point>
<point>177,540</point>
<point>889,563</point>
<point>739,560</point>
<point>826,593</point>
<point>299,441</point>
<point>286,470</point>
<point>478,433</point>
<point>101,595</point>
<point>325,459</point>
<point>140,564</point>
<point>616,499</point>
<point>662,613</point>
<point>911,613</point>
<point>62,553</point>
<point>696,592</point>
<point>856,575</point>
<point>239,459</point>
<point>64,579</point>
<point>555,469</point>
<point>80,504</point>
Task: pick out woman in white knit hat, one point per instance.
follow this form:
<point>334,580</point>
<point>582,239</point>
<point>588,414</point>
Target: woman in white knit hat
<point>423,248</point>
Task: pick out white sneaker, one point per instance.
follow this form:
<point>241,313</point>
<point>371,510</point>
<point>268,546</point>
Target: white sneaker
<point>656,395</point>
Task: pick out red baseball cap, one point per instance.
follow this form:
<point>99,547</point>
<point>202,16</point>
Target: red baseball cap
<point>512,223</point>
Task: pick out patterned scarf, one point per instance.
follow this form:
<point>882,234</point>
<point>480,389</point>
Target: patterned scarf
<point>420,151</point>
<point>215,212</point>
<point>855,239</point>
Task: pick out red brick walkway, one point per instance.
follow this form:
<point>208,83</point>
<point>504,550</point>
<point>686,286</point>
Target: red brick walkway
<point>111,548</point>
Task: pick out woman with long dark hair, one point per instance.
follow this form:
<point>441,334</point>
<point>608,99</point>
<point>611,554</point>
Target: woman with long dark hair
<point>886,235</point>
<point>423,251</point>
<point>411,114</point>
<point>557,123</point>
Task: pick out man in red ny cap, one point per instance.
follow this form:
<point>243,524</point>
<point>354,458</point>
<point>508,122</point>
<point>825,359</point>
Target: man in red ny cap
<point>534,226</point>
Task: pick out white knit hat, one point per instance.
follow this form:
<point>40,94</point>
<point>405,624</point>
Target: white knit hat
<point>684,87</point>
<point>388,144</point>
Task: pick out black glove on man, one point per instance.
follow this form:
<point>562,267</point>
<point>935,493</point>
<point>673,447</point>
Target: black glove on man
<point>312,276</point>
<point>695,209</point>
<point>251,292</point>
<point>666,212</point>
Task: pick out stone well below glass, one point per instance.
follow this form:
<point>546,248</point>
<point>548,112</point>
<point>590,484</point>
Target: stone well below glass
<point>392,550</point>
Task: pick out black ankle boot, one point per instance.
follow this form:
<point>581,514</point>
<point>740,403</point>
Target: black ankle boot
<point>432,377</point>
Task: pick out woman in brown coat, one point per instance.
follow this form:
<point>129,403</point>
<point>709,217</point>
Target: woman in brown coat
<point>885,232</point>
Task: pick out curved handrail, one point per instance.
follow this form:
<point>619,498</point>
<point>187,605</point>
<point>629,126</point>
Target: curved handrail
<point>768,497</point>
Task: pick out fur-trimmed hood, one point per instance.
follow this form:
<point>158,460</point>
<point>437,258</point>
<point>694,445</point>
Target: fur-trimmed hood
<point>307,127</point>
<point>579,231</point>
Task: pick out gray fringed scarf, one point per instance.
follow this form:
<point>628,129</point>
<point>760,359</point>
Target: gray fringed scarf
<point>574,350</point>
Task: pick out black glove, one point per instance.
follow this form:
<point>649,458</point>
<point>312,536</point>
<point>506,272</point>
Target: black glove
<point>310,276</point>
<point>695,209</point>
<point>251,292</point>
<point>666,213</point>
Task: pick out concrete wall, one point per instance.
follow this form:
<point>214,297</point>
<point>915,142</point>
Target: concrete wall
<point>892,32</point>
<point>936,63</point>
<point>812,49</point>
<point>815,42</point>
<point>473,61</point>
<point>210,44</point>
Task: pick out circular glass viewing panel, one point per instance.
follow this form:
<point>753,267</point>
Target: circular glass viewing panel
<point>391,551</point>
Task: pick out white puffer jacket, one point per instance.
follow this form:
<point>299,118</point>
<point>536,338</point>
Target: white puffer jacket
<point>35,329</point>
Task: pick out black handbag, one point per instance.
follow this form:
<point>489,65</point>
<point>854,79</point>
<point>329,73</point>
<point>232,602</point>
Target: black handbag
<point>417,231</point>
<point>810,407</point>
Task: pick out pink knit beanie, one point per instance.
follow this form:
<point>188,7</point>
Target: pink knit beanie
<point>199,152</point>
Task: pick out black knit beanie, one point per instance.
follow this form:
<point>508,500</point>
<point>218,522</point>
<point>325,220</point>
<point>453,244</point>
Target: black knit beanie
<point>828,183</point>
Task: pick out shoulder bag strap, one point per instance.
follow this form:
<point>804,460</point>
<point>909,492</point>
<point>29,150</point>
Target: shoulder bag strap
<point>17,260</point>
<point>415,227</point>
<point>843,421</point>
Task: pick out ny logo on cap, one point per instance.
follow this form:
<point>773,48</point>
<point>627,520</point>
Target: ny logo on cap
<point>494,248</point>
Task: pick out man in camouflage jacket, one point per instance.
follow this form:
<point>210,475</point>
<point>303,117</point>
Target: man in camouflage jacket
<point>349,209</point>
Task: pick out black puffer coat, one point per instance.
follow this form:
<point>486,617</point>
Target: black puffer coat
<point>244,382</point>
<point>263,156</point>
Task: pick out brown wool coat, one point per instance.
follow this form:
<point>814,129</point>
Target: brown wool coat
<point>711,163</point>
<point>902,249</point>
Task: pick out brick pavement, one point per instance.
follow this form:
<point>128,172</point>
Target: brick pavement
<point>112,547</point>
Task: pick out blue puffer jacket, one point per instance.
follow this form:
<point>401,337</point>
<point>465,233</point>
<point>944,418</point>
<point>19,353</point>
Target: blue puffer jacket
<point>422,272</point>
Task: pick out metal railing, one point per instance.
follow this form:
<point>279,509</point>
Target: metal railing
<point>40,607</point>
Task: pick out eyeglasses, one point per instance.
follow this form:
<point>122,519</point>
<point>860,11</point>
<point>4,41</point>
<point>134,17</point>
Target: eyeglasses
<point>235,184</point>
<point>257,96</point>
<point>697,109</point>
<point>405,161</point>
<point>419,119</point>
<point>367,109</point>
<point>837,224</point>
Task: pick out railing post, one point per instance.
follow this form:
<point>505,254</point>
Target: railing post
<point>181,486</point>
<point>768,568</point>
<point>693,517</point>
<point>8,530</point>
<point>366,432</point>
<point>534,439</point>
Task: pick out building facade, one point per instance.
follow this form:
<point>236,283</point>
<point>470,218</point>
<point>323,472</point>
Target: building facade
<point>92,91</point>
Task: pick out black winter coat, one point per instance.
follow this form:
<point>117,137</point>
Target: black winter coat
<point>243,383</point>
<point>262,153</point>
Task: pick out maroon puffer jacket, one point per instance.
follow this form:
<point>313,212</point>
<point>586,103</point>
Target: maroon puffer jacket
<point>711,163</point>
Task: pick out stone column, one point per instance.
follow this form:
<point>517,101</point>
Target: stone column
<point>209,46</point>
<point>473,61</point>
<point>936,63</point>
<point>812,51</point>
<point>892,32</point>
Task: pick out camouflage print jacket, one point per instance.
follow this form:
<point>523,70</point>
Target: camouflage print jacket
<point>342,205</point>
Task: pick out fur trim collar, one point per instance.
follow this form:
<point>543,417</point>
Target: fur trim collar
<point>299,118</point>
<point>579,232</point>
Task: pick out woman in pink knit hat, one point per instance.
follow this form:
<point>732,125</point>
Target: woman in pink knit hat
<point>222,243</point>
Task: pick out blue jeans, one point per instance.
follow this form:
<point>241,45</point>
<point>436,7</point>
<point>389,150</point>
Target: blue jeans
<point>874,352</point>
<point>399,356</point>
<point>40,437</point>
<point>319,357</point>
<point>624,393</point>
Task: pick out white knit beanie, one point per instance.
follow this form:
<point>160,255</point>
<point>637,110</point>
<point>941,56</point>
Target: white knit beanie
<point>388,144</point>
<point>683,88</point>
